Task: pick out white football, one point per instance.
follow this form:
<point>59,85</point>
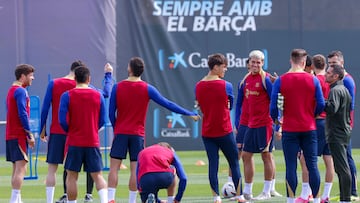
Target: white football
<point>228,190</point>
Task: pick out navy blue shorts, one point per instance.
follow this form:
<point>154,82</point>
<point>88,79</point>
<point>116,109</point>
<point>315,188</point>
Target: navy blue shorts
<point>122,143</point>
<point>14,152</point>
<point>240,136</point>
<point>153,182</point>
<point>56,147</point>
<point>258,140</point>
<point>89,156</point>
<point>323,146</point>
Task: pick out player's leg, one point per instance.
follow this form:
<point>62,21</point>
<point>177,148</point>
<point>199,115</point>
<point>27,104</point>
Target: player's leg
<point>150,183</point>
<point>89,188</point>
<point>212,151</point>
<point>352,170</point>
<point>15,153</point>
<point>228,147</point>
<point>101,186</point>
<point>93,165</point>
<point>54,157</point>
<point>305,189</point>
<point>113,177</point>
<point>290,145</point>
<point>136,144</point>
<point>171,190</point>
<point>50,182</point>
<point>73,163</point>
<point>329,176</point>
<point>117,154</point>
<point>341,165</point>
<point>17,180</point>
<point>71,183</point>
<point>240,133</point>
<point>265,142</point>
<point>273,191</point>
<point>309,146</point>
<point>248,162</point>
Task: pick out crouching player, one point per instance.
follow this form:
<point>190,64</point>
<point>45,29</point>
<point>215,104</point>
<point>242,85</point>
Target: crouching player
<point>156,168</point>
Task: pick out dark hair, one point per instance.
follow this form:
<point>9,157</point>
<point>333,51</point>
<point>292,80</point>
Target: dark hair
<point>337,53</point>
<point>25,69</point>
<point>308,60</point>
<point>82,74</point>
<point>216,59</point>
<point>298,55</point>
<point>137,66</point>
<point>76,64</point>
<point>319,61</point>
<point>337,69</point>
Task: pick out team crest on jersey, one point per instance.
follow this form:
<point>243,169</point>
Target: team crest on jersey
<point>257,84</point>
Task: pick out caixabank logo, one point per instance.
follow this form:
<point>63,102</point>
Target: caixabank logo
<point>173,125</point>
<point>181,59</point>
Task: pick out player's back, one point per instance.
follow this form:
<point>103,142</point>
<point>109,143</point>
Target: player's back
<point>155,158</point>
<point>213,101</point>
<point>84,116</point>
<point>132,99</point>
<point>298,89</point>
<point>60,86</point>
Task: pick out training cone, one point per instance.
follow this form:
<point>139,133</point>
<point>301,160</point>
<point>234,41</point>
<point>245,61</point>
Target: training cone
<point>200,163</point>
<point>122,166</point>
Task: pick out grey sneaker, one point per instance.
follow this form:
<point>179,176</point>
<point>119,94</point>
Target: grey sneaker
<point>248,196</point>
<point>63,199</point>
<point>151,198</point>
<point>88,198</point>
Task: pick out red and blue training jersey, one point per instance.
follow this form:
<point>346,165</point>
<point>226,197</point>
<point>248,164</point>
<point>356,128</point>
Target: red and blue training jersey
<point>157,158</point>
<point>242,109</point>
<point>53,93</point>
<point>258,98</point>
<point>349,83</point>
<point>303,100</point>
<point>86,115</point>
<point>325,88</point>
<point>18,112</point>
<point>129,103</point>
<point>214,98</point>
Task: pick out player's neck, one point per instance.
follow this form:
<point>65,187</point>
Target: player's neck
<point>17,83</point>
<point>319,72</point>
<point>296,69</point>
<point>82,85</point>
<point>211,76</point>
<point>133,78</point>
<point>70,76</point>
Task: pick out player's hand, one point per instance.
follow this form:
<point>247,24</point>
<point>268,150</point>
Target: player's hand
<point>273,77</point>
<point>278,135</point>
<point>196,118</point>
<point>235,131</point>
<point>108,68</point>
<point>43,135</point>
<point>280,102</point>
<point>31,140</point>
<point>175,201</point>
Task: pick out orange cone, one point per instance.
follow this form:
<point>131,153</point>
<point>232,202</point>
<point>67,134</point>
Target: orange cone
<point>200,163</point>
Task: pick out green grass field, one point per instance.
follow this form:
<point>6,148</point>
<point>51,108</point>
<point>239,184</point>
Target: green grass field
<point>198,189</point>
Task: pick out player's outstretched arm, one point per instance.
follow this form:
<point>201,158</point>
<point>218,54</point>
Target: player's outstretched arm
<point>155,95</point>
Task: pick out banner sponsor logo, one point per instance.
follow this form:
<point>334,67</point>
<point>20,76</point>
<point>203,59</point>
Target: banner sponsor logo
<point>172,125</point>
<point>214,16</point>
<point>199,60</point>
